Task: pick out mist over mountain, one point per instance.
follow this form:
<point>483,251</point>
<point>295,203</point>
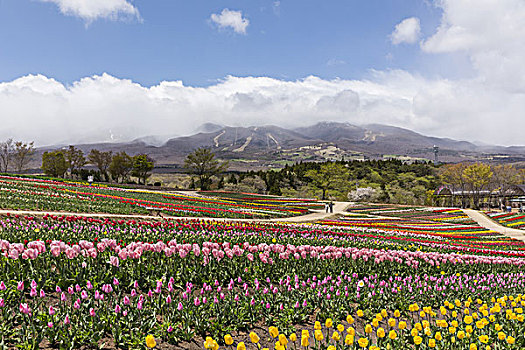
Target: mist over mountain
<point>272,146</point>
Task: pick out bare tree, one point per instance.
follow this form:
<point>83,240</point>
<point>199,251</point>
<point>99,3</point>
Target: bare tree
<point>453,175</point>
<point>101,160</point>
<point>6,154</point>
<point>504,178</point>
<point>74,158</point>
<point>21,154</point>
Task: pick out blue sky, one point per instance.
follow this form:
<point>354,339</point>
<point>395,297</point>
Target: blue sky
<point>129,68</point>
<point>176,41</point>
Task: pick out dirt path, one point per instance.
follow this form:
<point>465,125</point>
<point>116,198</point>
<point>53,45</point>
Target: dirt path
<point>339,208</point>
<point>488,223</point>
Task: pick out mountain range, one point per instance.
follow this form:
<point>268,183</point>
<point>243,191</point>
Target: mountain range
<point>271,146</point>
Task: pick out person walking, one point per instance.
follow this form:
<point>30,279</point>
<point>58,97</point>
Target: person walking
<point>326,207</point>
<point>331,205</point>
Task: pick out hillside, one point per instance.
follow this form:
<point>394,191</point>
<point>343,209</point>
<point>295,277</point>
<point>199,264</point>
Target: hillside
<point>269,146</point>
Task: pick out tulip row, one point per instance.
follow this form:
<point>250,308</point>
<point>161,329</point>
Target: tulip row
<point>497,323</point>
<point>40,194</point>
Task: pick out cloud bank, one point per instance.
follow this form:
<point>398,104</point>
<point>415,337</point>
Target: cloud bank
<point>105,108</point>
<point>91,10</point>
<point>407,31</point>
<point>231,19</point>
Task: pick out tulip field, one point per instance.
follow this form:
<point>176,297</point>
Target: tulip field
<point>78,197</point>
<point>513,220</point>
<point>419,279</point>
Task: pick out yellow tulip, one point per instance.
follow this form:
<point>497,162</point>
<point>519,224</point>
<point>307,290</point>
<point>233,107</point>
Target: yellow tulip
<point>241,346</point>
<point>368,328</point>
<point>318,335</point>
<point>349,339</point>
<point>417,340</point>
<point>304,342</point>
<point>381,332</point>
<point>340,327</point>
<point>274,332</point>
<point>349,319</point>
<point>228,339</point>
<point>484,339</point>
<point>283,340</point>
<point>336,336</point>
<point>363,342</point>
<point>391,322</point>
<point>293,337</point>
<point>150,341</point>
<point>511,340</point>
<point>329,323</point>
<point>254,338</point>
<point>432,343</point>
<point>392,334</point>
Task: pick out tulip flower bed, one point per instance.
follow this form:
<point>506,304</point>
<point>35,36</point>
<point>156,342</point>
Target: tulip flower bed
<point>266,199</point>
<point>514,220</point>
<point>448,215</point>
<point>49,195</point>
<point>474,323</point>
<point>68,282</point>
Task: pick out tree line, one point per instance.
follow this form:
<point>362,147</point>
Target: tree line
<point>15,155</point>
<point>110,166</point>
<point>474,183</point>
<point>389,181</point>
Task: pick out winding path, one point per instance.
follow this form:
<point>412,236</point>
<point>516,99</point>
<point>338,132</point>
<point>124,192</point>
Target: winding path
<point>488,223</point>
<point>339,208</point>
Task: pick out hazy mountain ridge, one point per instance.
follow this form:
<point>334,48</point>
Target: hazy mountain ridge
<point>273,146</point>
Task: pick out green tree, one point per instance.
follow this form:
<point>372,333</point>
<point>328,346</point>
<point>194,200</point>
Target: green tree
<point>478,177</point>
<point>102,160</point>
<point>121,165</point>
<point>330,176</point>
<point>75,159</point>
<point>142,166</point>
<point>54,163</point>
<point>202,163</point>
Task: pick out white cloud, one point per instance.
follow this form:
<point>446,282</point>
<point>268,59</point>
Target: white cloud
<point>490,33</point>
<point>231,19</point>
<point>407,31</point>
<point>94,108</point>
<point>335,62</point>
<point>91,10</point>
